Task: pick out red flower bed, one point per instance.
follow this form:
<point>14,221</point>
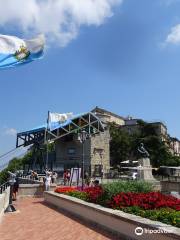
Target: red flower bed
<point>93,193</point>
<point>151,200</point>
<point>65,189</point>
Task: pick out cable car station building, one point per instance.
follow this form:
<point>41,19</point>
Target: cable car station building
<point>68,147</point>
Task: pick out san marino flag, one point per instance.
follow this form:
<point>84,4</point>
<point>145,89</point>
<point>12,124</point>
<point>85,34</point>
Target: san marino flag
<point>15,51</point>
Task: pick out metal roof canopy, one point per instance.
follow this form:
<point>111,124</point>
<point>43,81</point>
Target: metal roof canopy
<point>87,121</point>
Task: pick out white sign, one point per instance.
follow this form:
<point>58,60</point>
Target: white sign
<point>75,174</point>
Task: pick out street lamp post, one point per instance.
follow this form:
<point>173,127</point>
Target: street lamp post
<point>83,136</point>
<point>101,156</point>
<point>46,139</point>
<point>12,180</point>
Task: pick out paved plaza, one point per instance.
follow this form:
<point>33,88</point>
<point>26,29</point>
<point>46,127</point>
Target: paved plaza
<point>34,220</point>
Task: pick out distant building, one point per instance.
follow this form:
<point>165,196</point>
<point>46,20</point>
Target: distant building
<point>108,117</point>
<point>175,146</point>
<point>161,130</point>
<point>132,126</point>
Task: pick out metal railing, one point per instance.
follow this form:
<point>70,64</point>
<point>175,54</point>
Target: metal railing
<point>3,187</point>
<point>116,175</point>
<point>169,178</point>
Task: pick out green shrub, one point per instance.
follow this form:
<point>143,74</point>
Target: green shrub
<point>165,215</point>
<point>78,194</point>
<point>112,189</point>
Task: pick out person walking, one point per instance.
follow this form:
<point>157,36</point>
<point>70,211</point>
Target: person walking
<point>68,176</point>
<point>47,182</point>
<point>54,177</point>
<point>87,178</point>
<point>65,177</point>
<point>15,188</point>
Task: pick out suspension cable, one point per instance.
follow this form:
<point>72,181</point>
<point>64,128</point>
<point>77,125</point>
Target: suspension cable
<point>3,155</point>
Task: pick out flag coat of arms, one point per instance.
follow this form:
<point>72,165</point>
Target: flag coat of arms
<point>59,117</point>
<point>15,51</point>
<point>56,119</point>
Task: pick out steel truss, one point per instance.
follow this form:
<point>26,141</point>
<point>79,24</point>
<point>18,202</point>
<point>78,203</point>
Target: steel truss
<point>88,122</point>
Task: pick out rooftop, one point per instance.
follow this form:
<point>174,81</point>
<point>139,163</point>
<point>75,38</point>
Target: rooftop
<point>103,111</point>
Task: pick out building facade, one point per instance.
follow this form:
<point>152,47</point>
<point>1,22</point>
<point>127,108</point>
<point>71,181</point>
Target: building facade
<point>108,117</point>
<point>96,148</point>
<point>132,126</point>
<point>96,153</point>
<point>175,146</point>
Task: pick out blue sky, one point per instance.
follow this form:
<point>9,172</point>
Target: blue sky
<point>125,65</point>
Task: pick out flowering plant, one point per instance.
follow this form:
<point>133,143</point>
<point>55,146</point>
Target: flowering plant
<point>93,193</point>
<point>151,200</point>
<point>136,198</point>
<point>65,190</point>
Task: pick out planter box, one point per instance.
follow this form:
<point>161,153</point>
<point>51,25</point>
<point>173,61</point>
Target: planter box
<point>118,222</point>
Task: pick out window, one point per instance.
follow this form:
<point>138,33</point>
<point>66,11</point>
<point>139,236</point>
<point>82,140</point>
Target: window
<point>71,151</point>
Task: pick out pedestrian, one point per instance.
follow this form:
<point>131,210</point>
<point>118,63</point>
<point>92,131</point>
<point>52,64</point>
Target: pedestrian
<point>12,181</point>
<point>68,176</point>
<point>87,178</point>
<point>54,177</point>
<point>47,182</point>
<point>35,175</point>
<point>15,188</point>
<point>32,175</point>
<point>65,176</point>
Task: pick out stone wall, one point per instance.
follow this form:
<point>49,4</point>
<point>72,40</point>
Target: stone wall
<point>4,201</point>
<point>97,144</point>
<point>68,160</point>
<point>100,144</point>
<point>170,186</point>
<point>33,189</point>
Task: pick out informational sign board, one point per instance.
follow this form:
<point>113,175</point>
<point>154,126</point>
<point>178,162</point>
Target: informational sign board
<point>75,176</point>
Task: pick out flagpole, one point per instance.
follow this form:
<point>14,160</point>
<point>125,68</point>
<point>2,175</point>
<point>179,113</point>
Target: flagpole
<point>47,129</point>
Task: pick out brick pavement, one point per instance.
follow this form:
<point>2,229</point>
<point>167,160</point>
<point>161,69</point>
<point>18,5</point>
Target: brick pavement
<point>36,221</point>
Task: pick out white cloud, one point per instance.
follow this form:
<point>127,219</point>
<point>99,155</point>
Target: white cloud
<point>10,131</point>
<point>174,35</point>
<point>59,20</point>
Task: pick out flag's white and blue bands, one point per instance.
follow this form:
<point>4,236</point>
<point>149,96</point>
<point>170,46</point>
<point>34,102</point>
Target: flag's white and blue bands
<point>12,47</point>
<point>9,60</point>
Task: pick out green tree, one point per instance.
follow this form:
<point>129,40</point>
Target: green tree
<point>36,154</point>
<point>120,145</point>
<point>124,145</point>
